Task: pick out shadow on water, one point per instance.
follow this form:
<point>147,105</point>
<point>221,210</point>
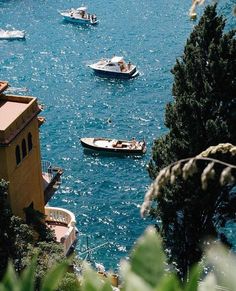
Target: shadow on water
<point>88,152</point>
<point>81,26</point>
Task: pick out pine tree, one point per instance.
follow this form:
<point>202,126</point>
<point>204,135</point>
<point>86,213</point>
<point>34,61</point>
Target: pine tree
<point>202,114</point>
<point>204,109</point>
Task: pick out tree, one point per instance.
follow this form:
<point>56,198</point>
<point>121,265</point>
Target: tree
<point>4,227</point>
<point>203,114</point>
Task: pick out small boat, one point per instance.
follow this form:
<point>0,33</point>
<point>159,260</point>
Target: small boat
<point>115,67</point>
<point>107,145</point>
<point>11,34</point>
<point>79,15</point>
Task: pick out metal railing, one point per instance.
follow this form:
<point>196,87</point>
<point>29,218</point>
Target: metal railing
<point>47,169</point>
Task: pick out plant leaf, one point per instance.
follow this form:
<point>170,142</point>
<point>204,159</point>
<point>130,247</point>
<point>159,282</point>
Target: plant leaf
<point>10,280</point>
<point>53,278</point>
<point>132,281</point>
<point>106,286</point>
<point>224,264</point>
<point>168,283</point>
<point>208,284</point>
<point>147,259</point>
<point>28,276</point>
<point>91,280</point>
<point>192,284</point>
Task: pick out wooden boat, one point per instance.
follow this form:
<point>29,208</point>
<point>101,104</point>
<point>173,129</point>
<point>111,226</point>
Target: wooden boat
<point>107,145</point>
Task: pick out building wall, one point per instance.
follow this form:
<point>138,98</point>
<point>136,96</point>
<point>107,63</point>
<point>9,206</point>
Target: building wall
<point>26,183</point>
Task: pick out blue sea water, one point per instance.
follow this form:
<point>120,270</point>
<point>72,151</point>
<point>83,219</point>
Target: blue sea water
<point>105,193</point>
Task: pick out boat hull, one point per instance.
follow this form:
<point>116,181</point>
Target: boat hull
<point>90,147</point>
<point>119,75</point>
<point>79,20</point>
<point>9,35</point>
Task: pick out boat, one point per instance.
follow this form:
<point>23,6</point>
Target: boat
<point>116,67</point>
<point>79,15</point>
<point>106,145</point>
<point>11,34</point>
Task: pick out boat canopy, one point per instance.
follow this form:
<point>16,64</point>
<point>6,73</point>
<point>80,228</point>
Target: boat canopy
<point>116,59</point>
<point>82,8</point>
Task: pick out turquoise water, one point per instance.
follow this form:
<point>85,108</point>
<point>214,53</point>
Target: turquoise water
<point>105,193</point>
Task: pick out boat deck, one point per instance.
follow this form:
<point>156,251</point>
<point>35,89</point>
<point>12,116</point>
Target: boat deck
<point>103,143</point>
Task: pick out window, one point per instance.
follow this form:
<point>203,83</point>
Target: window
<point>18,159</point>
<point>30,213</point>
<point>30,144</point>
<point>23,147</point>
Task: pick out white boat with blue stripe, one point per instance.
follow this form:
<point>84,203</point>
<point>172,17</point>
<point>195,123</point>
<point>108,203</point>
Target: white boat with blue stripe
<point>116,67</point>
<point>79,15</point>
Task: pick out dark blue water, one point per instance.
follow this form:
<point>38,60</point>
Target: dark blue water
<point>105,193</point>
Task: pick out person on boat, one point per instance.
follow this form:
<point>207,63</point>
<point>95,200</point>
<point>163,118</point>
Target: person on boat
<point>82,13</point>
<point>133,143</point>
<point>129,65</point>
<point>114,142</point>
<point>94,17</point>
<point>121,67</point>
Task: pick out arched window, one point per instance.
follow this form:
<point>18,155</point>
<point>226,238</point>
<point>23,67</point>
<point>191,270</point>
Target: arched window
<point>23,148</point>
<point>30,143</point>
<point>17,152</point>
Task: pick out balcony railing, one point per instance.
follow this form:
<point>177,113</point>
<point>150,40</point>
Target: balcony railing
<point>47,169</point>
<point>51,179</point>
<point>62,221</point>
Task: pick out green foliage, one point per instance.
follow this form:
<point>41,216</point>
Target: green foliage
<point>21,239</point>
<point>203,111</point>
<point>69,282</point>
<point>52,278</point>
<point>202,114</point>
<point>18,243</point>
<point>48,254</point>
<point>143,260</point>
<point>137,275</point>
<point>36,219</point>
<point>4,227</point>
<point>11,282</point>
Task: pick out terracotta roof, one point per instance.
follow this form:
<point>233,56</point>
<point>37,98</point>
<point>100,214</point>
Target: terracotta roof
<point>9,112</point>
<point>16,112</point>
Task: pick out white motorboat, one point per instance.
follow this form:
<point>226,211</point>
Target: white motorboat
<point>79,15</point>
<point>115,67</point>
<point>114,146</point>
<point>11,34</point>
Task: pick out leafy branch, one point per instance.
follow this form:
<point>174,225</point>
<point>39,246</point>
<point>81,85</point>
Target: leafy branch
<point>195,3</point>
<point>189,166</point>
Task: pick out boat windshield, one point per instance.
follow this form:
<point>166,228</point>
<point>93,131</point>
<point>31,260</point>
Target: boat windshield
<point>83,8</point>
<point>117,59</point>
